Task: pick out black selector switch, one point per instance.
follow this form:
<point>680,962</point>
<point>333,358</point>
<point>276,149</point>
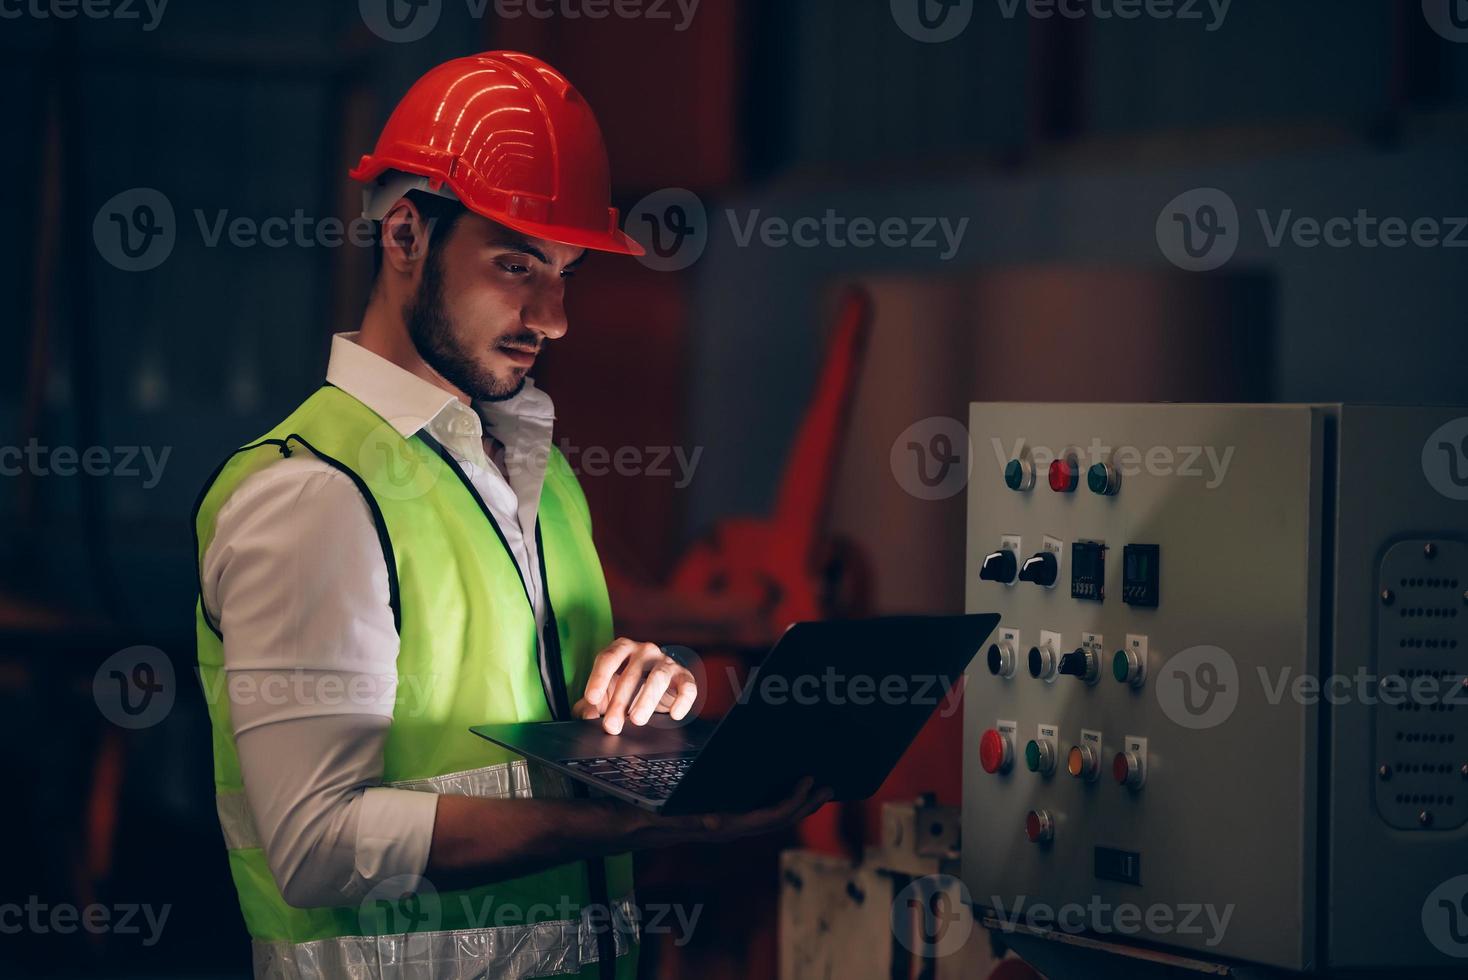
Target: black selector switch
<point>1080,663</point>
<point>1040,568</point>
<point>999,566</point>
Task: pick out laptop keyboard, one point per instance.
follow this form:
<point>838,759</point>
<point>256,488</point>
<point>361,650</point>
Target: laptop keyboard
<point>651,777</point>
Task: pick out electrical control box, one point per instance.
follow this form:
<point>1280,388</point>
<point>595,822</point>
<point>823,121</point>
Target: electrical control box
<point>1226,712</point>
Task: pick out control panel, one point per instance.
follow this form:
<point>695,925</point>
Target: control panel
<point>1221,713</point>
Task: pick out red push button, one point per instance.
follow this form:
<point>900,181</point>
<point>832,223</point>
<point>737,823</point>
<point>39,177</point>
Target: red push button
<point>1065,475</point>
<point>1039,826</point>
<point>996,751</point>
<point>1126,769</point>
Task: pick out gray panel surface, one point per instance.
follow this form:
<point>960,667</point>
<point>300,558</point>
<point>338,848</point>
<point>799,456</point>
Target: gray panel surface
<point>1226,819</point>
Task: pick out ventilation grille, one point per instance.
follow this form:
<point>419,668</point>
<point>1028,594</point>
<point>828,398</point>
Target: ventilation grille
<point>1421,709</point>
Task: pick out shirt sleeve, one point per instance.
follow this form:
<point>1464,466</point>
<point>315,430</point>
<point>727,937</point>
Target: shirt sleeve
<point>296,580</point>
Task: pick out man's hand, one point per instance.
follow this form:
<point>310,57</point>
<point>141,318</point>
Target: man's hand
<point>631,680</point>
<point>806,798</point>
<point>478,840</point>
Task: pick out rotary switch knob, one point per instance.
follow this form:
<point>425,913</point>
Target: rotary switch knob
<point>999,566</point>
<point>996,752</point>
<point>1080,663</point>
<point>1040,568</point>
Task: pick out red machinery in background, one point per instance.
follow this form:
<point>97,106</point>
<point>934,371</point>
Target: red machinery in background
<point>735,590</point>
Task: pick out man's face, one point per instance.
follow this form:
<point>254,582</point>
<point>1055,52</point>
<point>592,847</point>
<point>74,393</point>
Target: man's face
<point>488,300</point>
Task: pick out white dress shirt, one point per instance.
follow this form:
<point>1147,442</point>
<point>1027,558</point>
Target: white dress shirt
<point>296,581</point>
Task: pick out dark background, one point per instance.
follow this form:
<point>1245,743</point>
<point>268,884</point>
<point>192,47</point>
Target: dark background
<point>1059,140</point>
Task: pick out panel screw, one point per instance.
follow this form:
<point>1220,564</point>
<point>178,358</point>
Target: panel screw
<point>1465,595</point>
<point>1430,550</point>
<point>1385,772</point>
<point>1424,818</point>
<point>1388,597</point>
<point>1463,770</point>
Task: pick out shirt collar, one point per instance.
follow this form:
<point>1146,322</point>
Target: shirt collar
<point>409,404</point>
<point>523,419</point>
<point>404,400</point>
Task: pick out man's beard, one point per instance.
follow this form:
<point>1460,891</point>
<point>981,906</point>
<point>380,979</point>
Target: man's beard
<point>432,333</point>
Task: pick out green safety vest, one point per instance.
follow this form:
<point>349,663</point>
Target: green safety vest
<point>468,654</point>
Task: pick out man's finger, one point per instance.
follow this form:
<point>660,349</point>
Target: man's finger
<point>817,800</point>
<point>615,707</point>
<point>780,812</point>
<point>801,804</point>
<point>585,710</point>
<point>687,693</point>
<point>653,685</point>
<point>605,668</point>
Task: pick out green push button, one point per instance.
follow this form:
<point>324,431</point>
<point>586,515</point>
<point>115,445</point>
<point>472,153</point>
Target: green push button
<point>1032,756</point>
<point>1014,474</point>
<point>1120,668</point>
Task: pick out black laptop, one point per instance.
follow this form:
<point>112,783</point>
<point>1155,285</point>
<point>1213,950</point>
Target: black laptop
<point>838,700</point>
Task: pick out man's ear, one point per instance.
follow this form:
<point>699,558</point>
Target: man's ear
<point>404,237</point>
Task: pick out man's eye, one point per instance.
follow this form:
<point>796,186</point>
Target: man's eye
<point>568,273</point>
<point>515,268</point>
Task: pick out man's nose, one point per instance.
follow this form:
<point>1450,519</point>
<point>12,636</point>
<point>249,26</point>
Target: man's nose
<point>546,315</point>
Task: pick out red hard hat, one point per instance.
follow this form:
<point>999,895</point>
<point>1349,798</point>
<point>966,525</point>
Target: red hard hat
<point>508,136</point>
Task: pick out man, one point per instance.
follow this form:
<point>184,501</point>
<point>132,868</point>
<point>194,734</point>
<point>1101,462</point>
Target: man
<point>407,555</point>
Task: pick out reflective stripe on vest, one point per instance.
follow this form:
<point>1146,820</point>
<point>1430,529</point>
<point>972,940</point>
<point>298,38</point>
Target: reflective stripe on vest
<point>509,952</point>
<point>546,948</point>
